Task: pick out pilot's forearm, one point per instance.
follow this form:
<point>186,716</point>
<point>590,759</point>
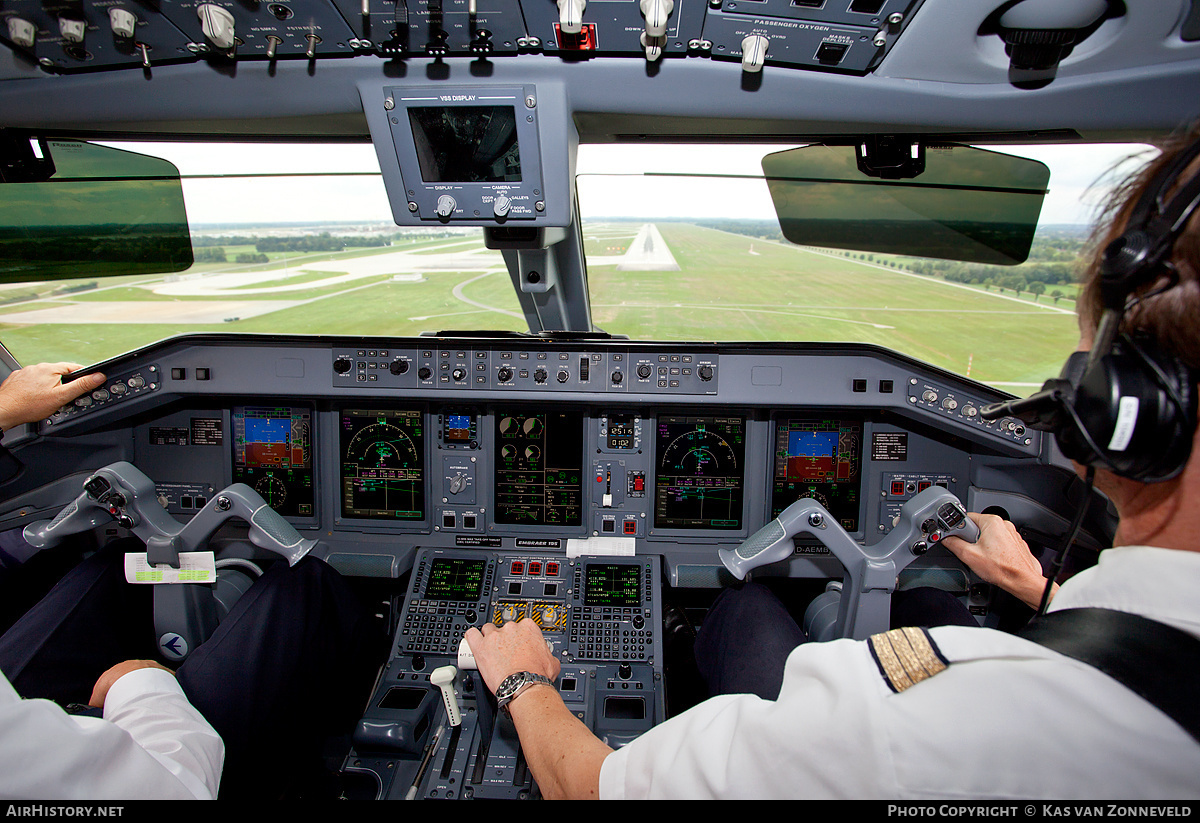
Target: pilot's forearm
<point>563,755</point>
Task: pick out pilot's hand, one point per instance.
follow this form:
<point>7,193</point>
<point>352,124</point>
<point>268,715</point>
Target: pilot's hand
<point>517,646</point>
<point>106,681</point>
<point>1002,558</point>
<point>36,392</point>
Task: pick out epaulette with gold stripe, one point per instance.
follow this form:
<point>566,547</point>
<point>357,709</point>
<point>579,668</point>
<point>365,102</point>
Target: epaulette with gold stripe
<point>906,657</point>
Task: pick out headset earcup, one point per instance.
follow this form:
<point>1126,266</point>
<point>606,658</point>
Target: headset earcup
<point>1137,426</point>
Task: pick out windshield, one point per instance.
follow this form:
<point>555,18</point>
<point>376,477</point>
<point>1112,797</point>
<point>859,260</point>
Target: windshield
<point>682,243</point>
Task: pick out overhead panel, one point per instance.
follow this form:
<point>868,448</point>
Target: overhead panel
<point>88,36</point>
<point>264,30</point>
<point>848,36</point>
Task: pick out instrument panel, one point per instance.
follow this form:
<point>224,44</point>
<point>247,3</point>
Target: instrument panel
<point>600,447</point>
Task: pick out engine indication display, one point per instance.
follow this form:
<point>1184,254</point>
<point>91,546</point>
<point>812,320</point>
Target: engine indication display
<point>272,453</point>
<point>383,463</point>
<point>701,472</point>
<point>539,468</point>
<point>821,459</point>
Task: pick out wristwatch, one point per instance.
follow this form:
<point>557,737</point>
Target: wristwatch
<point>514,684</point>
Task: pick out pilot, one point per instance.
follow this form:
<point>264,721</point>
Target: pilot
<point>954,712</point>
<point>287,668</point>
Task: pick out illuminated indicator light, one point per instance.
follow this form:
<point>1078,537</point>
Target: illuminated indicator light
<point>585,40</point>
<point>518,567</point>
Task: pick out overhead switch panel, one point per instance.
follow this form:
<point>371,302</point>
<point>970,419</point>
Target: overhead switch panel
<point>849,36</point>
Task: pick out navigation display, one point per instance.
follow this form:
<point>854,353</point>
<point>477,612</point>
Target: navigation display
<point>821,459</point>
<point>466,144</point>
<point>383,463</point>
<point>701,472</point>
<point>539,468</point>
<point>272,453</point>
<point>612,584</point>
<point>456,579</point>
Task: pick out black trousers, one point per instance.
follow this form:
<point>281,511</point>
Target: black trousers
<point>744,641</point>
<point>289,667</point>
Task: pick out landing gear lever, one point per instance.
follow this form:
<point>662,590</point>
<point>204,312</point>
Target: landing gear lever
<point>871,571</point>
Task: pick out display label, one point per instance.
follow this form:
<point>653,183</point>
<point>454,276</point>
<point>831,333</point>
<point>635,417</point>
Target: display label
<point>889,446</point>
<point>168,436</point>
<point>206,431</point>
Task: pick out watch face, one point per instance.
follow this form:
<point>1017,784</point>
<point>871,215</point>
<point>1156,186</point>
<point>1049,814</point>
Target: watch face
<point>510,684</point>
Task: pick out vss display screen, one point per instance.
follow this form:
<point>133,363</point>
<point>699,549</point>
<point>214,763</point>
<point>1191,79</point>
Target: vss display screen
<point>466,144</point>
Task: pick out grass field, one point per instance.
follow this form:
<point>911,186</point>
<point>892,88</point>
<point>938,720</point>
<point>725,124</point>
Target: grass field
<point>729,287</point>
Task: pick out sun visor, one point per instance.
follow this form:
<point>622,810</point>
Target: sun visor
<point>71,209</point>
<point>951,202</point>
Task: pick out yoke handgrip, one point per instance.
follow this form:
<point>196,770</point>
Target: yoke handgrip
<point>123,492</point>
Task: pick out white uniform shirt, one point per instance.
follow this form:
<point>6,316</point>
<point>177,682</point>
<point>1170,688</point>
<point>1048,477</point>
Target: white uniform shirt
<point>1007,719</point>
<point>151,744</point>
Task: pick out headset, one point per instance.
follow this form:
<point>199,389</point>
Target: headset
<point>1126,406</point>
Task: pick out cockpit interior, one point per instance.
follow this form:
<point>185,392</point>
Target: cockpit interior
<point>607,413</point>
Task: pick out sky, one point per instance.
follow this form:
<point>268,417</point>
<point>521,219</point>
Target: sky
<point>611,181</point>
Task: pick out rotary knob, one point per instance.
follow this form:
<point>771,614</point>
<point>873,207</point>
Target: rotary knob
<point>217,24</point>
<point>445,207</point>
<point>705,372</point>
<point>343,365</point>
<point>644,371</point>
<point>72,29</point>
<point>501,206</point>
<point>398,367</point>
<point>754,53</point>
<point>122,21</point>
<point>21,32</point>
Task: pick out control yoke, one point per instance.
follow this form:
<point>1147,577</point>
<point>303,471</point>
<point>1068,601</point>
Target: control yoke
<point>184,615</point>
<point>121,492</point>
<point>865,605</point>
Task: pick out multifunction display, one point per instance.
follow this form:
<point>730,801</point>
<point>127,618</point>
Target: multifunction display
<point>820,459</point>
<point>701,472</point>
<point>612,584</point>
<point>455,579</point>
<point>383,463</point>
<point>272,453</point>
<point>539,468</point>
